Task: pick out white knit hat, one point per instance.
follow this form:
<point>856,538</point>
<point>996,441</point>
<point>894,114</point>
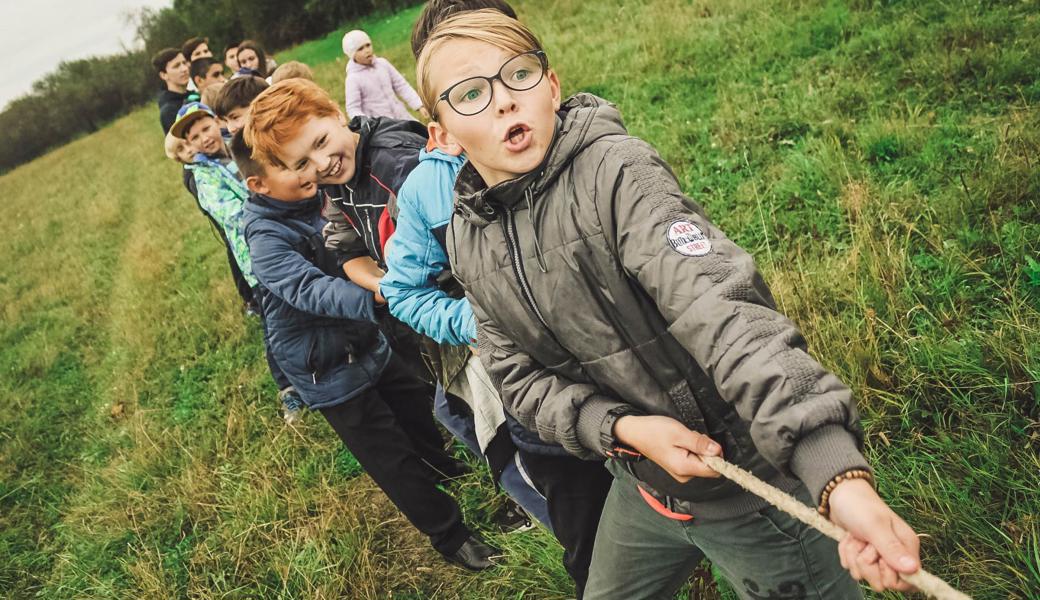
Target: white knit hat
<point>353,41</point>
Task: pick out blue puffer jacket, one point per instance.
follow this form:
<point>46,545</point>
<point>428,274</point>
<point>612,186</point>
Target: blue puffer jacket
<point>323,331</point>
<point>416,254</point>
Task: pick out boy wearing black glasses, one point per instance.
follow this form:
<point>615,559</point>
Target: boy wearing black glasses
<point>618,321</point>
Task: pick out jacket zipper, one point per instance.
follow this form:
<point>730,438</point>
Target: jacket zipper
<point>513,243</point>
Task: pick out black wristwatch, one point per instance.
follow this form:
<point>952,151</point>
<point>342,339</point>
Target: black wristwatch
<point>618,449</point>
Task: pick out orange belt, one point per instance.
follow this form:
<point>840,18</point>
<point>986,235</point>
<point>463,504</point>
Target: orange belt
<point>661,509</point>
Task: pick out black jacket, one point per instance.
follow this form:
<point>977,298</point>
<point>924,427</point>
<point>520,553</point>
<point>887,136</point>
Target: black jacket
<point>361,212</point>
<point>169,104</point>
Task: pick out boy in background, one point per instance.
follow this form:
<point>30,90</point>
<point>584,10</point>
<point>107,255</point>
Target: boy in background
<point>324,330</point>
<point>618,321</point>
<point>210,94</point>
<point>196,48</point>
<point>231,57</point>
<point>291,69</point>
<point>174,71</point>
<point>206,72</point>
<point>232,105</point>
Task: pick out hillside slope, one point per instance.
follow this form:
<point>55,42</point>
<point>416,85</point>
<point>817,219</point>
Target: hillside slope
<point>878,158</point>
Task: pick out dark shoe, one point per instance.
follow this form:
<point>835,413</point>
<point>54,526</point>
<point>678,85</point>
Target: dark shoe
<point>474,554</point>
<point>451,470</point>
<point>252,309</point>
<point>512,518</point>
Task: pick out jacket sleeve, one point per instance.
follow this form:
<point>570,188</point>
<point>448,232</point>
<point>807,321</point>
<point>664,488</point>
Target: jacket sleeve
<point>402,88</point>
<point>288,275</point>
<point>353,97</point>
<point>802,418</point>
<point>341,237</point>
<point>413,263</point>
<point>225,206</point>
<point>559,409</point>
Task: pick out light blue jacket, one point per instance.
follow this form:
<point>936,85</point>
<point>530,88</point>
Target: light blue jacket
<point>416,256</point>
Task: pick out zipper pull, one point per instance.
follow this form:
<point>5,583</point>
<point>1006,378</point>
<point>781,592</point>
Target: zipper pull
<point>314,377</point>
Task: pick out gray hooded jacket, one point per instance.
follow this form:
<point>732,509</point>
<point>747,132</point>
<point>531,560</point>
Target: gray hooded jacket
<point>600,289</point>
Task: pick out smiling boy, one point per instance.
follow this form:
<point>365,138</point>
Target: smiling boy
<point>618,321</point>
<point>324,330</point>
<point>359,165</point>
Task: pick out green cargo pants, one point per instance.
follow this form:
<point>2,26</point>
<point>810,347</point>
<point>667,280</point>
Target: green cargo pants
<point>766,555</point>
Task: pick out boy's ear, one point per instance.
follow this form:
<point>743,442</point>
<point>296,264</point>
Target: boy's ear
<point>554,85</point>
<point>256,185</point>
<point>444,141</point>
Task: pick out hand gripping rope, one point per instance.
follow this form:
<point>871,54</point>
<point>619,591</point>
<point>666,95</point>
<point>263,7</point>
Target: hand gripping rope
<point>922,580</point>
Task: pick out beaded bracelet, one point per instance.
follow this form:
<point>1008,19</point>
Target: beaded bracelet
<point>825,498</point>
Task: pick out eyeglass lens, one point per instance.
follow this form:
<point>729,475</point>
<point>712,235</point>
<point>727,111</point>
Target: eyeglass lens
<point>470,96</point>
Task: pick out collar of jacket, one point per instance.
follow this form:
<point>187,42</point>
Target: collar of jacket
<point>364,127</point>
<point>291,209</point>
<point>583,119</point>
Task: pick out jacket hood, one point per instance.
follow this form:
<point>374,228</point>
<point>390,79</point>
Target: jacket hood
<point>582,120</point>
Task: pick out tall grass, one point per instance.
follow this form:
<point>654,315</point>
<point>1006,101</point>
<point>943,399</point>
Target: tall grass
<point>879,159</point>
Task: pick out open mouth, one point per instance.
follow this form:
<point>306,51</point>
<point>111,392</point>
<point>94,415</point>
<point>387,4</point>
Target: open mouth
<point>335,169</point>
<point>518,138</point>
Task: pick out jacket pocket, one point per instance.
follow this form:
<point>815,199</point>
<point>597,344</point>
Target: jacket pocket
<point>313,349</point>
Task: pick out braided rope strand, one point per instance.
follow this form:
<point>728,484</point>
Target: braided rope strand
<point>922,580</point>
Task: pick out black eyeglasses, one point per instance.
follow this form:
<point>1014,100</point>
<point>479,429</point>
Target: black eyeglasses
<point>522,72</point>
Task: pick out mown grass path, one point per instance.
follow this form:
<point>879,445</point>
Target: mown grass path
<point>879,158</point>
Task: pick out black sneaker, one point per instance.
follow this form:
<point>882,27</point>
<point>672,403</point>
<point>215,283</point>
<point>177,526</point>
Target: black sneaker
<point>512,518</point>
<point>474,554</point>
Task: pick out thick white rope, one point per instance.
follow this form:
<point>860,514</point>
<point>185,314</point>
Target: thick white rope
<point>922,580</point>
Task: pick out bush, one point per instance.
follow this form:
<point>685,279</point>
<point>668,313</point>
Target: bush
<point>82,95</point>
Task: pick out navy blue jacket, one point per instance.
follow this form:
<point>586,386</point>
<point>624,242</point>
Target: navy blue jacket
<point>323,330</point>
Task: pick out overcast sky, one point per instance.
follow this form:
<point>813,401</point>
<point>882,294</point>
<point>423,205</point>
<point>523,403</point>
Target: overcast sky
<point>36,35</point>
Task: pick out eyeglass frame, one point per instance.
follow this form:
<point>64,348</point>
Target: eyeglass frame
<point>542,59</point>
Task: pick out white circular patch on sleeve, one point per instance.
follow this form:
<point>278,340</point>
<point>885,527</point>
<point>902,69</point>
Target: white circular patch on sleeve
<point>688,239</point>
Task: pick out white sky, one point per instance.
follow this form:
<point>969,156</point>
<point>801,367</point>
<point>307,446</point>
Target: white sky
<point>36,35</point>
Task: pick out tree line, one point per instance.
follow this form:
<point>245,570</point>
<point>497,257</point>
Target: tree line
<point>82,95</point>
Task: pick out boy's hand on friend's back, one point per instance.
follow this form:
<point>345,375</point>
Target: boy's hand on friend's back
<point>669,444</point>
<point>880,545</point>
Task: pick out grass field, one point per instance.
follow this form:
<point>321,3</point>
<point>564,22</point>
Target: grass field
<point>879,158</point>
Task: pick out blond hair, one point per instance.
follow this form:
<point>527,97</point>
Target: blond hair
<point>488,26</point>
<point>293,68</point>
<point>278,113</point>
<point>210,94</point>
<point>172,144</point>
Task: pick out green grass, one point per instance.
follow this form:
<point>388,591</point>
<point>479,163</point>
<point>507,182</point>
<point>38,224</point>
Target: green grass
<point>879,158</point>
